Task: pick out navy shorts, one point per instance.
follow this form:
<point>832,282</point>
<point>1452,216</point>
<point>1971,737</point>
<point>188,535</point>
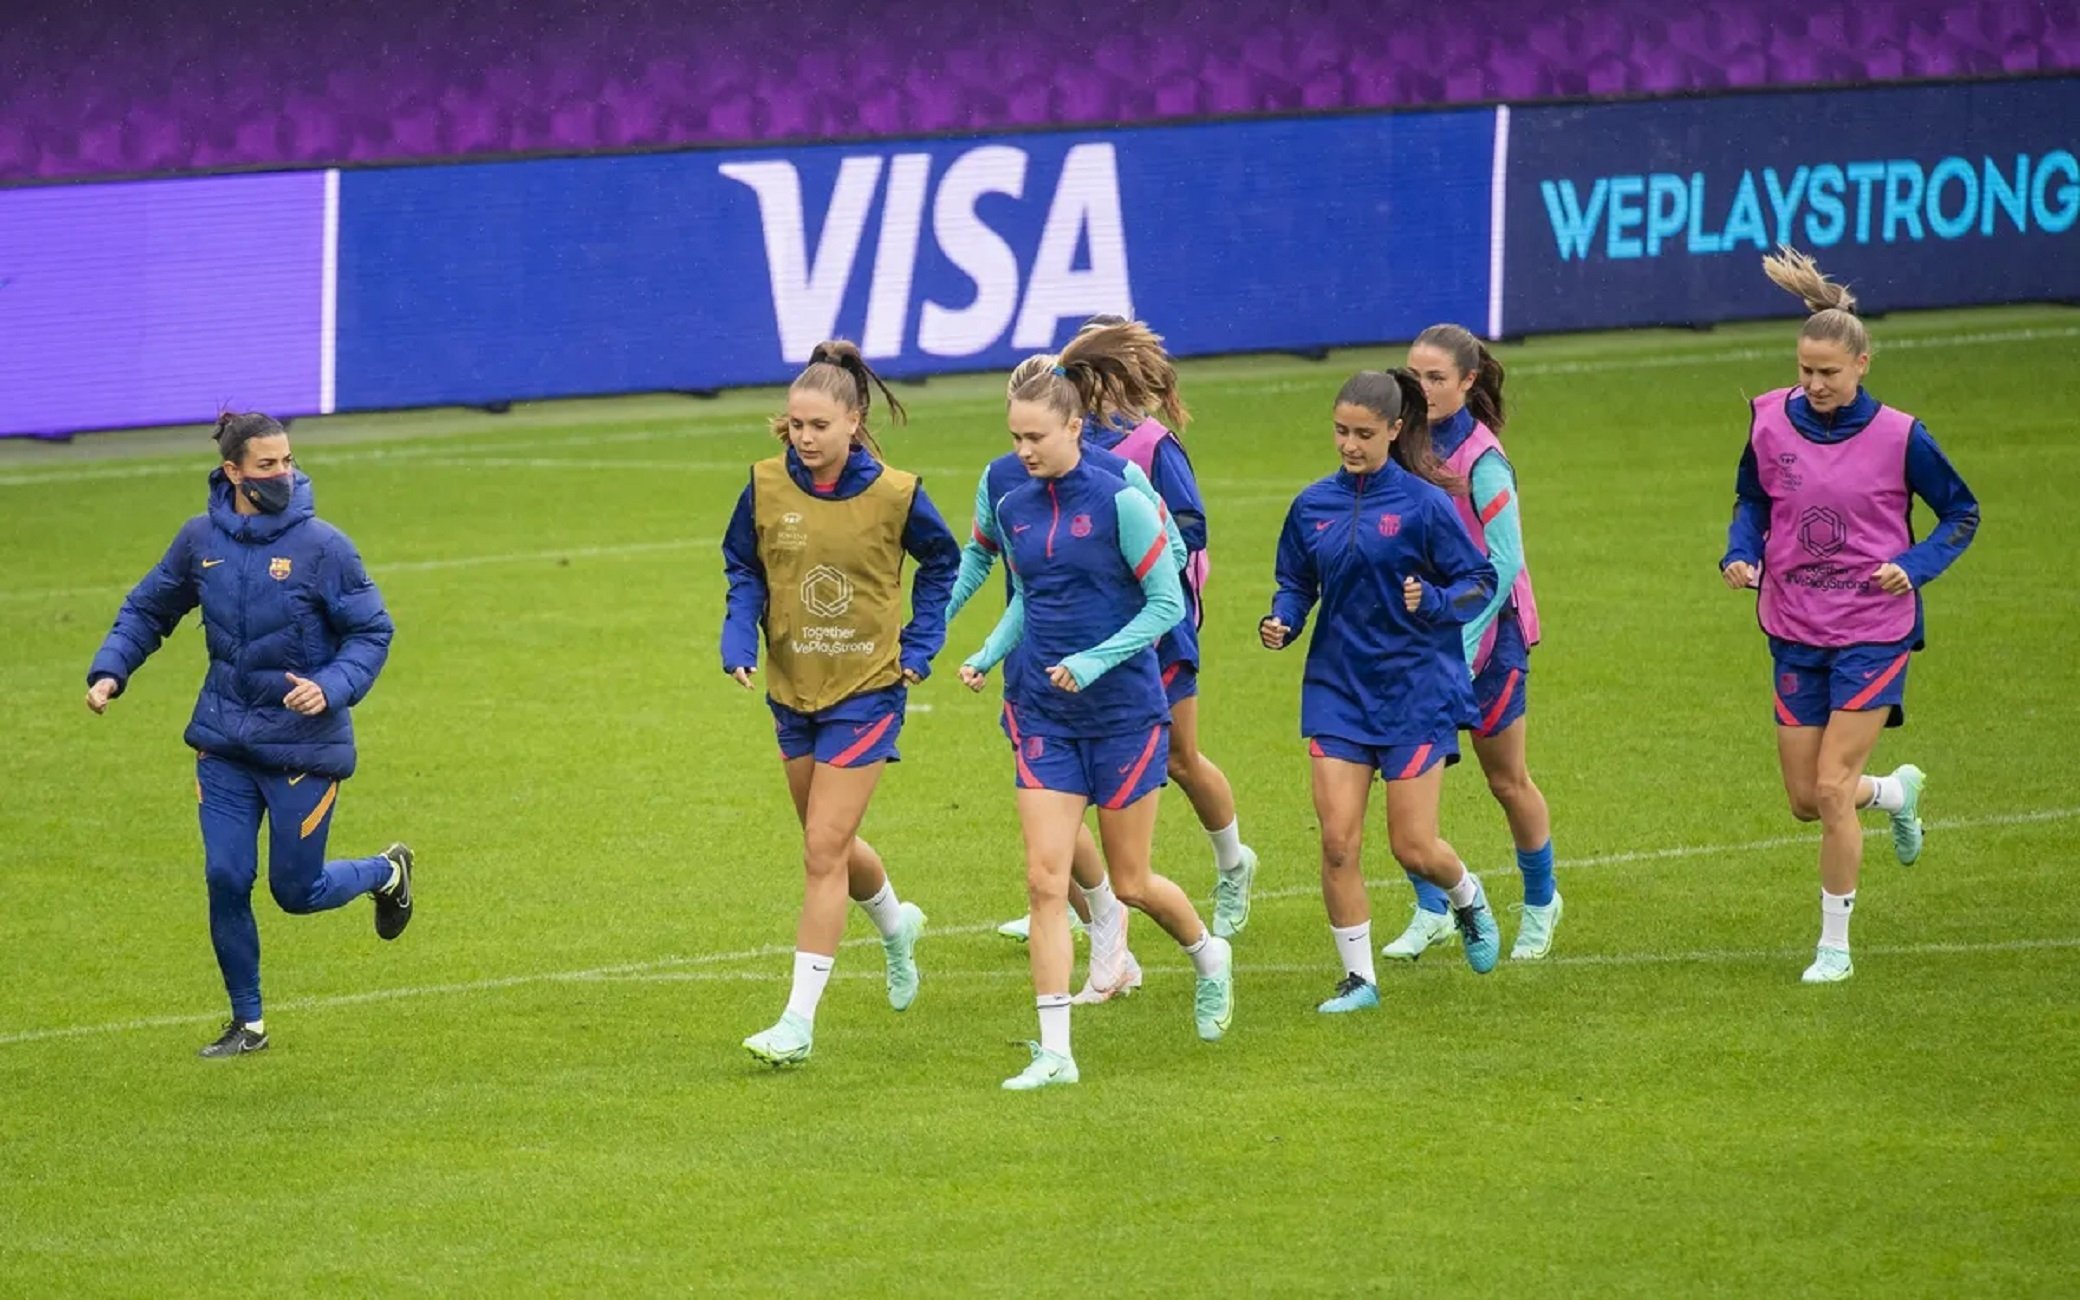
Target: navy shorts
<point>1392,762</point>
<point>1813,682</point>
<point>1111,771</point>
<point>1501,688</point>
<point>1500,693</point>
<point>850,733</point>
<point>1180,682</point>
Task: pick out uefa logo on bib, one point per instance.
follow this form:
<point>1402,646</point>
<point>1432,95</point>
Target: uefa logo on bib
<point>826,592</point>
<point>1822,531</point>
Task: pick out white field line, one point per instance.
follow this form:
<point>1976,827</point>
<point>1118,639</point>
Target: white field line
<point>1787,841</point>
<point>620,971</point>
<point>579,463</point>
<point>568,464</point>
<point>1245,967</point>
<point>615,551</point>
<point>660,968</point>
<point>1676,360</point>
<point>437,446</point>
<point>406,449</point>
<point>1680,852</point>
<point>383,569</point>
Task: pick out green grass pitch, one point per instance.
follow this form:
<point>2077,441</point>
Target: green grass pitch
<point>540,1089</point>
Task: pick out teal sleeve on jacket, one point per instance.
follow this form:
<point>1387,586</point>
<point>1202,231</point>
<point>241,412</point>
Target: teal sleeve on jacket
<point>1140,482</point>
<point>1144,543</point>
<point>1494,492</point>
<point>1010,627</point>
<point>979,553</point>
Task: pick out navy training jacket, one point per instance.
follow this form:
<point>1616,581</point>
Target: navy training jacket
<point>279,594</point>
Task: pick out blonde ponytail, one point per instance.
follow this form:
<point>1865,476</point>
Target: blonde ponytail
<point>1833,307</point>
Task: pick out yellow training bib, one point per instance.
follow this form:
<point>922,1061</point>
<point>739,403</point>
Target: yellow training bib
<point>834,585</point>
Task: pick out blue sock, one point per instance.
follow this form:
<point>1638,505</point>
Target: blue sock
<point>1537,869</point>
<point>1428,896</point>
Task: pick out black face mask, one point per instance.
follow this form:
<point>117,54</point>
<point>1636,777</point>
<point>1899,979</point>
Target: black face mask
<point>269,495</point>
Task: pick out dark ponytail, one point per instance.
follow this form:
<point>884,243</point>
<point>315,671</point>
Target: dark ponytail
<point>235,429</point>
<point>1485,398</point>
<point>1471,356</point>
<point>1398,395</point>
<point>838,371</point>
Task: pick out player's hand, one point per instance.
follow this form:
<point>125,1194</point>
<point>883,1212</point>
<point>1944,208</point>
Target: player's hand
<point>742,676</point>
<point>100,693</point>
<point>1273,633</point>
<point>973,677</point>
<point>305,696</point>
<point>1063,678</point>
<point>912,677</point>
<point>1893,580</point>
<point>1739,575</point>
<point>1412,593</point>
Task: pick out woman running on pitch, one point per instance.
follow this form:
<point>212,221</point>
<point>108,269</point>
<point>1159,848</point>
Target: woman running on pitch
<point>1822,526</point>
<point>1095,589</point>
<point>814,554</point>
<point>1130,427</point>
<point>1462,387</point>
<point>1379,546</point>
<point>296,635</point>
<point>1114,972</point>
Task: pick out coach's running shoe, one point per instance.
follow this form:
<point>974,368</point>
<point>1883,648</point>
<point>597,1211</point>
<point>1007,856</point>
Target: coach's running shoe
<point>1906,823</point>
<point>1104,985</point>
<point>1425,930</point>
<point>786,1043</point>
<point>1356,993</point>
<point>1213,1001</point>
<point>1048,1070</point>
<point>1830,966</point>
<point>1478,931</point>
<point>899,954</point>
<point>394,902</point>
<point>1231,896</point>
<point>1022,927</point>
<point>1535,932</point>
<point>236,1040</point>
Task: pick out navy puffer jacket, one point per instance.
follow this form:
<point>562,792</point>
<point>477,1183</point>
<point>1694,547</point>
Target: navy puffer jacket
<point>279,594</point>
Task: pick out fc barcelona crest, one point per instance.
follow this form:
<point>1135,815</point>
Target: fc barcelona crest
<point>278,567</point>
<point>1080,526</point>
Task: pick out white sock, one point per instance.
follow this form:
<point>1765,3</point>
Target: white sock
<point>1054,1022</point>
<point>1466,891</point>
<point>1108,929</point>
<point>257,1026</point>
<point>1227,847</point>
<point>1104,905</point>
<point>1210,956</point>
<point>812,970</point>
<point>884,909</point>
<point>1834,919</point>
<point>1354,945</point>
<point>1888,793</point>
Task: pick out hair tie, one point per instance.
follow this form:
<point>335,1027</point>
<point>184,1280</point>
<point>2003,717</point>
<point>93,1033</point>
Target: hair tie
<point>1063,373</point>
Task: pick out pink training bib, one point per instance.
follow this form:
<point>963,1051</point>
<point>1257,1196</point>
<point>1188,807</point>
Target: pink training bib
<point>1478,443</point>
<point>1837,512</point>
<point>1139,446</point>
